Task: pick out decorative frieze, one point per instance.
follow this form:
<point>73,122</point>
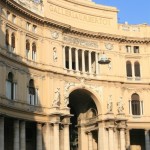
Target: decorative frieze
<point>80,42</point>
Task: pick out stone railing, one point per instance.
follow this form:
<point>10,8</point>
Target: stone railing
<point>35,7</point>
<point>16,104</point>
<point>127,27</point>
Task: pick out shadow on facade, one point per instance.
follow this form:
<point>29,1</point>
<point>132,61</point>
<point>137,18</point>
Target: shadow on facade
<point>20,107</point>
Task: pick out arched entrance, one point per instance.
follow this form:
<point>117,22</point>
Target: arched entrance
<point>83,128</point>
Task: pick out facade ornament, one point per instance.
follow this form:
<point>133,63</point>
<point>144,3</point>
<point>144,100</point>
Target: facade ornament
<point>109,46</point>
<point>120,105</point>
<point>55,35</point>
<point>80,42</point>
<point>56,102</point>
<point>66,95</point>
<point>109,104</point>
<point>55,57</point>
<point>109,66</point>
<point>68,85</point>
<point>66,100</point>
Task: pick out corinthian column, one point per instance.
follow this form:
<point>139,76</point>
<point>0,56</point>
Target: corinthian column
<point>56,136</point>
<point>128,139</point>
<point>89,57</point>
<point>22,136</point>
<point>64,57</point>
<point>16,134</point>
<point>77,59</point>
<point>66,137</point>
<point>83,61</point>
<point>70,58</point>
<point>122,139</point>
<point>96,62</point>
<point>111,138</point>
<point>147,140</point>
<point>39,136</point>
<point>1,133</point>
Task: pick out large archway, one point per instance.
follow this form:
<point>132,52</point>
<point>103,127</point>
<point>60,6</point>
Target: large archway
<point>83,121</point>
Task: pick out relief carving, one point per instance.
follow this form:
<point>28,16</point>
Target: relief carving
<point>80,42</point>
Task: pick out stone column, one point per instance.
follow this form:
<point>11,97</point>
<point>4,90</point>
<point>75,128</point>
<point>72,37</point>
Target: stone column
<point>16,134</point>
<point>130,107</point>
<point>1,133</point>
<point>9,48</point>
<point>141,107</point>
<point>89,56</point>
<point>39,136</point>
<point>66,137</point>
<point>116,140</point>
<point>147,140</point>
<point>127,139</point>
<point>22,136</point>
<point>64,57</point>
<point>133,72</point>
<point>102,137</point>
<point>96,62</point>
<point>122,139</point>
<point>46,136</point>
<point>90,142</point>
<point>111,138</point>
<point>83,61</point>
<point>56,136</point>
<point>70,58</point>
<point>77,59</point>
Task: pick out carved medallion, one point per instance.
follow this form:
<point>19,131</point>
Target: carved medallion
<point>55,35</point>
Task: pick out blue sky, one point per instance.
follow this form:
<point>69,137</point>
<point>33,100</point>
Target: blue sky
<point>132,11</point>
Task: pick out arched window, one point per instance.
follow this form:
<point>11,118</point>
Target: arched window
<point>33,51</point>
<point>135,104</point>
<point>137,69</point>
<point>7,38</point>
<point>32,93</point>
<point>13,41</point>
<point>10,87</point>
<point>27,48</point>
<point>129,69</point>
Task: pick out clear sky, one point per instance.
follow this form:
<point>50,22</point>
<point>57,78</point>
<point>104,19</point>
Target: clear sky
<point>131,11</point>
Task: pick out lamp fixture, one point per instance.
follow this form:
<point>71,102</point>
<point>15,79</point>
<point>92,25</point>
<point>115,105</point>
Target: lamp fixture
<point>104,60</point>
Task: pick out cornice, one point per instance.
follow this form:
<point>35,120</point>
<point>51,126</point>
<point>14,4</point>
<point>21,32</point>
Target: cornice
<point>72,30</point>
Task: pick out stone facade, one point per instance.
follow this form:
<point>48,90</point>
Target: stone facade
<point>54,95</point>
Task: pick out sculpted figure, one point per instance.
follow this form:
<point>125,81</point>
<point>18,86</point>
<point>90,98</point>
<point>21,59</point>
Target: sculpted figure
<point>109,104</point>
<point>56,101</point>
<point>120,105</point>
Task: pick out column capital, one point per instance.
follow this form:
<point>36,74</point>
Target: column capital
<point>146,130</point>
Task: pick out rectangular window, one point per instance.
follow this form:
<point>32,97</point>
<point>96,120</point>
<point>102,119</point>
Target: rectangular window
<point>136,49</point>
<point>33,98</point>
<point>13,18</point>
<point>33,55</point>
<point>28,26</point>
<point>10,90</point>
<point>8,15</point>
<point>128,49</point>
<point>34,28</point>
